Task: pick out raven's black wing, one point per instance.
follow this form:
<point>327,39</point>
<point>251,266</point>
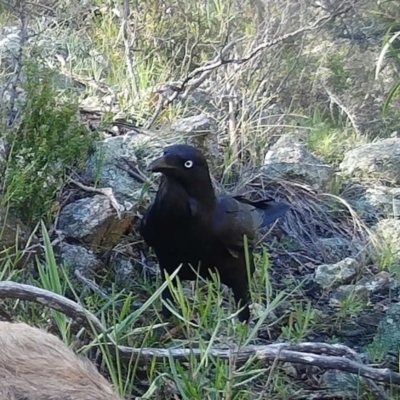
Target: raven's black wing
<point>235,217</point>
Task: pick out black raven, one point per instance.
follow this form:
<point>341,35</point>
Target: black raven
<point>188,224</point>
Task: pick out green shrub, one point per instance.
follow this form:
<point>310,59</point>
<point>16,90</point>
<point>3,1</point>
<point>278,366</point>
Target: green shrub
<point>48,141</point>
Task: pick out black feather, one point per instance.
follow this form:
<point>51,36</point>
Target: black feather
<point>270,210</point>
<point>188,224</point>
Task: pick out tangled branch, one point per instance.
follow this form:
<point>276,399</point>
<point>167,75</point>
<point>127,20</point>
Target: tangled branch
<point>322,355</point>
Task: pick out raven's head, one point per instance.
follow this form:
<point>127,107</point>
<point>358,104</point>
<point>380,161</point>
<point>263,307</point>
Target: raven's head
<point>186,166</point>
<point>182,162</point>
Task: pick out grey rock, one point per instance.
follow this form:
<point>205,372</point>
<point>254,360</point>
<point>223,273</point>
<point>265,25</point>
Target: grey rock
<point>80,258</point>
<point>199,131</point>
<point>380,160</point>
<point>289,158</point>
<point>328,275</point>
<point>123,268</point>
<point>379,283</point>
<point>78,219</point>
<point>102,165</point>
<point>388,335</point>
<point>200,125</point>
<point>94,221</point>
<point>373,203</point>
<point>139,147</point>
<point>358,292</point>
<point>385,200</point>
<point>341,384</point>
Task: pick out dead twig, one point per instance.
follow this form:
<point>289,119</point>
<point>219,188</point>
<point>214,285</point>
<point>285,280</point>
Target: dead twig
<point>126,34</point>
<point>204,72</point>
<point>104,191</point>
<point>14,290</point>
<point>311,27</point>
<point>195,78</point>
<point>303,353</point>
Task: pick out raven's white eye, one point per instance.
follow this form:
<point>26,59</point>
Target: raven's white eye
<point>188,164</point>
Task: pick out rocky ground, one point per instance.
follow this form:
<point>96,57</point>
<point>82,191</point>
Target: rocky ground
<point>326,272</point>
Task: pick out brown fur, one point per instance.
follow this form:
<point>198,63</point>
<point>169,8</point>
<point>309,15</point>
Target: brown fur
<point>36,365</point>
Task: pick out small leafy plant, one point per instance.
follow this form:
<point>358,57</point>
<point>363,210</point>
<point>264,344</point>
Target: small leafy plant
<point>47,142</point>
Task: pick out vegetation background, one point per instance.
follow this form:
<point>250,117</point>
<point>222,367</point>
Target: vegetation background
<point>325,71</point>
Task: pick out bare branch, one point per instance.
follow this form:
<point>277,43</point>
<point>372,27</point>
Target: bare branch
<point>315,25</point>
<point>272,352</point>
<point>232,124</point>
<point>132,170</point>
<point>14,290</point>
<point>104,191</point>
<point>303,353</point>
<point>352,118</point>
<point>128,47</point>
<point>195,78</point>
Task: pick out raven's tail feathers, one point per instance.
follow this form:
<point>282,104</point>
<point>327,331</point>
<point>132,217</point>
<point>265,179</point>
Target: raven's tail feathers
<point>271,210</point>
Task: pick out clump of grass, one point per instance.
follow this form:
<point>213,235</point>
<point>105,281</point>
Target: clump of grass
<point>48,141</point>
<point>50,279</point>
<point>301,322</point>
<point>387,259</point>
<point>330,139</point>
<point>350,306</point>
<point>199,321</point>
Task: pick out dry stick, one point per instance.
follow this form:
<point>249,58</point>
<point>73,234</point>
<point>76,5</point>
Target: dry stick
<point>190,84</point>
<point>218,60</point>
<point>126,12</point>
<point>300,353</point>
<point>232,125</point>
<point>349,114</point>
<point>311,27</point>
<point>104,191</point>
<point>15,290</point>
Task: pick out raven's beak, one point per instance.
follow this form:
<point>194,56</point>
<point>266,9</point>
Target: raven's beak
<point>159,165</point>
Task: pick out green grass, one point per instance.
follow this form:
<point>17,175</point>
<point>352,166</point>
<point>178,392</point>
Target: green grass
<point>387,258</point>
<point>168,41</point>
<point>202,319</point>
<point>50,279</point>
<point>301,322</point>
<point>330,139</point>
<point>211,326</point>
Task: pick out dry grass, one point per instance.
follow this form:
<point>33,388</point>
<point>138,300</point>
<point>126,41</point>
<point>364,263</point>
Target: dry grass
<point>301,77</point>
